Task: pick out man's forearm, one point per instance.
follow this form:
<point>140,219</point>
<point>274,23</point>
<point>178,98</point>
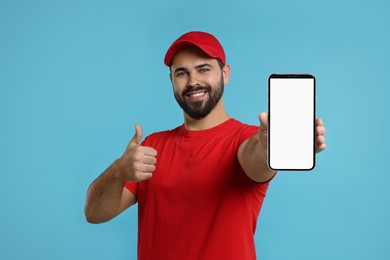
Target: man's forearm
<point>104,196</point>
<point>253,159</point>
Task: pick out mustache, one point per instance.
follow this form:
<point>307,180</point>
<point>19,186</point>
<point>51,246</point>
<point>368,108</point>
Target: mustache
<point>189,89</point>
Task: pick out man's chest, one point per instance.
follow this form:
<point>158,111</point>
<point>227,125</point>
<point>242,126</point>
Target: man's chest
<point>190,170</point>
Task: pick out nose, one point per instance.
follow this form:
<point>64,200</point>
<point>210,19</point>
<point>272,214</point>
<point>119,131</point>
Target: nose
<point>193,80</point>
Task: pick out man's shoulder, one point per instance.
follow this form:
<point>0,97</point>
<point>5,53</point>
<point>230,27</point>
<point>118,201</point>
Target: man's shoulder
<point>242,126</point>
<point>243,131</point>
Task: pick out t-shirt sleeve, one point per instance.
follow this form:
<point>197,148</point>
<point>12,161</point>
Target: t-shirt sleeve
<point>247,132</point>
<point>132,187</point>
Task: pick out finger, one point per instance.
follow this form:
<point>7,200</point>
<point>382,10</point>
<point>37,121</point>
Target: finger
<point>138,135</point>
<point>320,130</point>
<point>263,118</point>
<point>146,176</point>
<point>320,148</point>
<point>149,168</point>
<point>142,167</point>
<point>149,160</point>
<point>141,176</point>
<point>320,140</point>
<point>149,151</point>
<point>319,122</point>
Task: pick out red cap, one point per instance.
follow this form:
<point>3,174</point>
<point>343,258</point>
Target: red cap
<point>205,41</point>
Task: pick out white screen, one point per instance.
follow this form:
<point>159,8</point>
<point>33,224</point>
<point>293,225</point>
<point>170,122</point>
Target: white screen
<point>291,123</point>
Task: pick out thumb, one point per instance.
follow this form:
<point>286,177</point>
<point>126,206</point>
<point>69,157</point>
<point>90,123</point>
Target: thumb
<point>263,118</point>
<point>138,135</point>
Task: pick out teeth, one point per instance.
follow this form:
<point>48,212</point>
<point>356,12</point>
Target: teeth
<point>197,94</point>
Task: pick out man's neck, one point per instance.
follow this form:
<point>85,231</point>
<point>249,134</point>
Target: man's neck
<point>217,116</point>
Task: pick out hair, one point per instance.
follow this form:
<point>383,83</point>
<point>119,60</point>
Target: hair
<point>220,64</point>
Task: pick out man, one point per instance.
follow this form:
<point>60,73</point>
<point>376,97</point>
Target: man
<point>199,187</point>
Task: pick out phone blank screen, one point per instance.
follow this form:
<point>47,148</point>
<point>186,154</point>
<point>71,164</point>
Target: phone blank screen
<point>291,122</point>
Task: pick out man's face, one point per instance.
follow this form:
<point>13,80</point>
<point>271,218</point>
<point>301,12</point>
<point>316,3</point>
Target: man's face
<point>198,82</point>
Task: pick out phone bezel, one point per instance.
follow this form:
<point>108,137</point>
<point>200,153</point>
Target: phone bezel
<point>290,76</point>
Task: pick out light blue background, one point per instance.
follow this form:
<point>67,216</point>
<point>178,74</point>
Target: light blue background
<point>75,76</point>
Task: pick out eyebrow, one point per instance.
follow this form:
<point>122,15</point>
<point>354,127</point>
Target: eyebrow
<point>203,65</point>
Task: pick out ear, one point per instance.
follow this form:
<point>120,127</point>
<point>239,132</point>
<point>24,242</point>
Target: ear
<point>226,74</point>
<point>170,76</point>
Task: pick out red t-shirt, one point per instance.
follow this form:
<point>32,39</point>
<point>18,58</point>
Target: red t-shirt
<point>199,204</point>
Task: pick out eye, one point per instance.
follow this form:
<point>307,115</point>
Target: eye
<point>180,74</point>
<point>203,70</point>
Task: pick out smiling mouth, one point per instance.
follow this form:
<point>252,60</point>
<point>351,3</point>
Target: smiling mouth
<point>196,94</point>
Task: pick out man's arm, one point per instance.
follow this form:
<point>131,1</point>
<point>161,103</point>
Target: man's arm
<point>107,196</point>
<point>253,152</point>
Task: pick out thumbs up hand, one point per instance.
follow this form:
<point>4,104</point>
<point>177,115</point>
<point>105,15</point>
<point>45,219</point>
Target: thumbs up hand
<point>137,162</point>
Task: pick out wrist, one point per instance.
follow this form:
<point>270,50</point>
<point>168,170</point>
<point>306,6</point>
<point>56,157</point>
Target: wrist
<point>117,171</point>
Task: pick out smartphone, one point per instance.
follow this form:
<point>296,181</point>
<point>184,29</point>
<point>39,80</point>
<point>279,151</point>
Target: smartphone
<point>291,122</point>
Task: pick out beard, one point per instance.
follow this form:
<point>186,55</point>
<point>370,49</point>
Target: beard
<point>200,109</point>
